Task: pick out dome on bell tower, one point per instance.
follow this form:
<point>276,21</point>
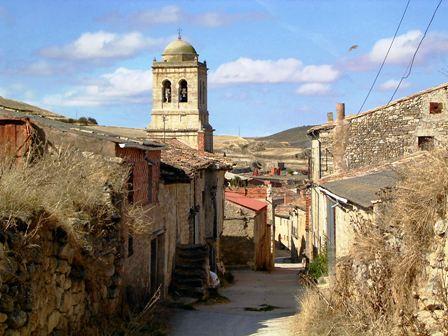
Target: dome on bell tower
<point>178,51</point>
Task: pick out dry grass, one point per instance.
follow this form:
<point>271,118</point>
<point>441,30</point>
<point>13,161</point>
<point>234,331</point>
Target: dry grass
<point>373,291</point>
<point>67,187</point>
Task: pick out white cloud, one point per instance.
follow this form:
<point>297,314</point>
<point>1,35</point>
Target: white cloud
<point>121,86</point>
<point>103,45</point>
<point>402,50</point>
<point>173,14</point>
<point>313,89</point>
<point>167,14</point>
<point>391,84</point>
<point>247,70</point>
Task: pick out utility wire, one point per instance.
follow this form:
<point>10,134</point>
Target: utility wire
<point>385,57</point>
<point>411,64</point>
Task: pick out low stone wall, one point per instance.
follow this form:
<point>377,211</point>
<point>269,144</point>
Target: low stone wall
<point>50,285</point>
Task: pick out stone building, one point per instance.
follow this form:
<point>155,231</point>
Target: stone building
<point>352,159</point>
<point>180,97</point>
<point>246,237</point>
<point>126,261</point>
<point>291,228</point>
<point>187,216</point>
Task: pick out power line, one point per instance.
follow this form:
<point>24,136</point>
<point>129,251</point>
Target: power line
<point>385,57</point>
<point>411,64</point>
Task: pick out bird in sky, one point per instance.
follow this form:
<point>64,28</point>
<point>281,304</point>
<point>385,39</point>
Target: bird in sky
<point>353,47</point>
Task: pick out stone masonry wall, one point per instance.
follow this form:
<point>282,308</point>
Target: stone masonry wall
<point>237,241</point>
<point>391,132</point>
<point>52,286</point>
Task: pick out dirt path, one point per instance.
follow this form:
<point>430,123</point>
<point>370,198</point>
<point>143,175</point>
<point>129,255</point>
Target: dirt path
<point>251,290</point>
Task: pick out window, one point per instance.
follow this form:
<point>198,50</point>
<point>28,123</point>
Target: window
<point>166,91</point>
<point>131,185</point>
<point>130,245</point>
<point>425,142</point>
<point>183,91</point>
<point>435,107</point>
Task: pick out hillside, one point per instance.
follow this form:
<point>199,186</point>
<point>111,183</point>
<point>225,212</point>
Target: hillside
<point>295,136</point>
<point>287,146</point>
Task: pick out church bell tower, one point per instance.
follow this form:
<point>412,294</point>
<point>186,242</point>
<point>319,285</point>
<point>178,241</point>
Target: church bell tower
<point>180,97</point>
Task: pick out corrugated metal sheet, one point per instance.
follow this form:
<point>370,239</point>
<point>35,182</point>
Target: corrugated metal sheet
<point>244,201</point>
<point>15,137</point>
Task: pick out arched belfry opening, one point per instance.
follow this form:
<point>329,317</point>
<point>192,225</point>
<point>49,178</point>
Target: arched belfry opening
<point>183,91</point>
<point>179,104</point>
<point>166,91</point>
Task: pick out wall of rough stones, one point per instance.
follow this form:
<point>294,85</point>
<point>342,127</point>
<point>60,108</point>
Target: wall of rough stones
<point>237,241</point>
<point>386,133</point>
<point>432,293</point>
<point>50,285</point>
<point>393,131</point>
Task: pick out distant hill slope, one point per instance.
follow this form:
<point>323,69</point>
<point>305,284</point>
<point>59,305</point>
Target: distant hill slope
<point>295,136</point>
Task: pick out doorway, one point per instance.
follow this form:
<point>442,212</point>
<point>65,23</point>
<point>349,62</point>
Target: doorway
<point>157,263</point>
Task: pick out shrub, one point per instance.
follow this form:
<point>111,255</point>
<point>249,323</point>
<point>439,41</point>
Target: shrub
<point>319,266</point>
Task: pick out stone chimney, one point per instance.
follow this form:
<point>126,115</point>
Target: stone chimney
<point>330,117</point>
<point>340,112</point>
<point>340,139</point>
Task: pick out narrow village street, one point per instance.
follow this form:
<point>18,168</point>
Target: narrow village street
<point>250,290</point>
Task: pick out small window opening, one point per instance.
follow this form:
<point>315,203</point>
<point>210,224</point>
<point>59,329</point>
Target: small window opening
<point>425,142</point>
<point>183,91</point>
<point>166,91</point>
<point>130,245</point>
<point>435,107</point>
<point>131,186</point>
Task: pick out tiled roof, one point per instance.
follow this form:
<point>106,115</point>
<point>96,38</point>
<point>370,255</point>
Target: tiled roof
<point>244,201</point>
<point>179,155</point>
<point>283,210</point>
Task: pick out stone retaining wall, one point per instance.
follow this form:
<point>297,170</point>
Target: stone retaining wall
<point>49,285</point>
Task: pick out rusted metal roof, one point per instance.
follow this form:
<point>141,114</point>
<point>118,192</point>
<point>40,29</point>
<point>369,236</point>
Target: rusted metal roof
<point>247,202</point>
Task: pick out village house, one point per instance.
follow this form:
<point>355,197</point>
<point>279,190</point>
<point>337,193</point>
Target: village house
<point>246,238</point>
<point>353,158</point>
<point>291,228</point>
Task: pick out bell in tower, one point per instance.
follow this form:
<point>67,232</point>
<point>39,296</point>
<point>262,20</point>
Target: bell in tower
<point>179,92</point>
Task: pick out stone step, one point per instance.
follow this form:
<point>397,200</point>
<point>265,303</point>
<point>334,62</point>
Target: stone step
<point>189,274</point>
<point>196,262</point>
<point>188,282</point>
<point>199,293</point>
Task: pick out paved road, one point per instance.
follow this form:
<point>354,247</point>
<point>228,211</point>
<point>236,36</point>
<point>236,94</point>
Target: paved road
<point>251,289</point>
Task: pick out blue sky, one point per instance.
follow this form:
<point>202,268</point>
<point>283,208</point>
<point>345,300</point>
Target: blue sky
<point>273,64</point>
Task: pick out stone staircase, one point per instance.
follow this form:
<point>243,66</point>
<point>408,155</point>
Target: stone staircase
<point>191,271</point>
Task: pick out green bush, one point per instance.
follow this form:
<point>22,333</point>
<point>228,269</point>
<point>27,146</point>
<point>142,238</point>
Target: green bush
<point>319,266</point>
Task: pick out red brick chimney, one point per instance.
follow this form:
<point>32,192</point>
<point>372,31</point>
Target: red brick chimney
<point>201,142</point>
